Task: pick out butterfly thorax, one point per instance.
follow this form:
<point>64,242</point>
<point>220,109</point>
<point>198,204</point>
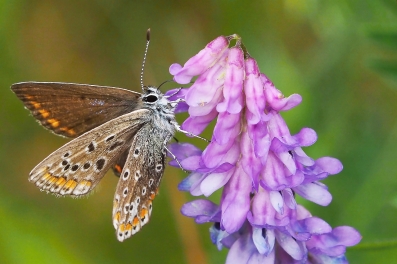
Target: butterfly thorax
<point>163,115</point>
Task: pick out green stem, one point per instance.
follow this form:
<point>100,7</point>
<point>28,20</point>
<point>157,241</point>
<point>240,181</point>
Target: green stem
<point>239,44</point>
<point>375,245</point>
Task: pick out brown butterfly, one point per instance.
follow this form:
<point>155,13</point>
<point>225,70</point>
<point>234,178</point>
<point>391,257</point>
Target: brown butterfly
<point>112,128</point>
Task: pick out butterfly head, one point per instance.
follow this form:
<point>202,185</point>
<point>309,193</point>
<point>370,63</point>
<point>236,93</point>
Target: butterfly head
<point>155,100</point>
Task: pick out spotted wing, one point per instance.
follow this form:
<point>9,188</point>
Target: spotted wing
<point>77,167</point>
<point>70,109</point>
<point>139,181</point>
<point>119,165</point>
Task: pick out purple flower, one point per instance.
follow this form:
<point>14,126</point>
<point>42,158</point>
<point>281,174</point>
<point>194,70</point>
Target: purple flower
<point>199,63</point>
<point>256,161</point>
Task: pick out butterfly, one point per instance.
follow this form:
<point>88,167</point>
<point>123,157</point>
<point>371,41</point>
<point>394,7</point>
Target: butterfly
<point>112,128</point>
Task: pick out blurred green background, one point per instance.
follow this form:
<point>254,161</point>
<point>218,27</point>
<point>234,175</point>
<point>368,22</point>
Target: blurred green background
<point>340,55</point>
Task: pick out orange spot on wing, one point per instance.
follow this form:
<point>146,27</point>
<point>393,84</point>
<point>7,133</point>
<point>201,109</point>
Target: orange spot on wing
<point>118,168</point>
<point>61,181</point>
<point>143,213</point>
<point>35,104</point>
<point>71,132</point>
<point>52,180</point>
<point>128,226</point>
<point>70,184</point>
<point>44,113</point>
<point>117,217</point>
<point>53,122</point>
<point>122,227</point>
<point>135,222</point>
<point>152,196</point>
<point>28,97</point>
<point>86,183</point>
<point>46,176</point>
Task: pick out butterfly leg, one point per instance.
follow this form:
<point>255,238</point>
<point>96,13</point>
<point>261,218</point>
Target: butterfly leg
<point>190,134</point>
<point>176,102</point>
<point>175,158</point>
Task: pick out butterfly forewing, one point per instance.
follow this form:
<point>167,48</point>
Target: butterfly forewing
<point>70,109</point>
<point>76,168</point>
<point>139,181</point>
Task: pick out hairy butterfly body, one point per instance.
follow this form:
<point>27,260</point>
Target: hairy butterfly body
<point>112,128</point>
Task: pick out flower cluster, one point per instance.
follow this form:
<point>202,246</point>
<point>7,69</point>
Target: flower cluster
<point>257,162</point>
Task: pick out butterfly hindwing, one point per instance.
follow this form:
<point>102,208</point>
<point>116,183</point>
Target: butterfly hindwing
<point>70,109</point>
<point>77,167</point>
<point>119,165</point>
<point>139,181</point>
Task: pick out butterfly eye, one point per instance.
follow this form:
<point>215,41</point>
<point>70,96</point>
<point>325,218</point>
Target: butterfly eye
<point>150,98</point>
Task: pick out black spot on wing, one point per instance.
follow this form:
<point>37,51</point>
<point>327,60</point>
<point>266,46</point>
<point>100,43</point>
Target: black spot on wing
<point>90,147</point>
<point>100,163</point>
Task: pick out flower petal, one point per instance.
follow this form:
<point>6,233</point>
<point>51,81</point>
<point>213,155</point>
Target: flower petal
<point>263,240</point>
<point>276,99</point>
<point>334,243</point>
<point>251,164</point>
<point>227,128</point>
<point>260,139</point>
<point>263,213</point>
<point>191,163</point>
<point>215,181</point>
<point>205,87</point>
<point>303,229</point>
<point>217,235</point>
<point>184,150</point>
<point>244,251</point>
<point>199,207</point>
<point>254,92</point>
<point>315,192</point>
<point>191,180</point>
<point>289,198</point>
<point>197,124</point>
<point>277,177</point>
<point>200,62</point>
<point>330,165</point>
<point>235,200</point>
<point>277,201</point>
<point>292,247</point>
<point>207,108</point>
<point>232,89</point>
<point>215,153</point>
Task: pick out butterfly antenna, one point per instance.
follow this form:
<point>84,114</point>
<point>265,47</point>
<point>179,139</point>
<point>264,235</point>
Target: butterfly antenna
<point>144,56</point>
